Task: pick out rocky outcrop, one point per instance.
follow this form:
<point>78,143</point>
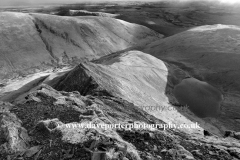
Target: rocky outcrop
<point>232,134</point>
<point>55,116</point>
<point>5,107</point>
<point>50,135</point>
<point>14,138</point>
<point>33,42</point>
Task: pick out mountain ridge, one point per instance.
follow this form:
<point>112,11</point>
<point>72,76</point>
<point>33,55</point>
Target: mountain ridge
<point>45,41</point>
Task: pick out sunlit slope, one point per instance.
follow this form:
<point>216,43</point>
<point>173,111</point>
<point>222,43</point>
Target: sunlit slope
<point>136,77</point>
<point>33,42</point>
<point>90,36</point>
<point>20,45</point>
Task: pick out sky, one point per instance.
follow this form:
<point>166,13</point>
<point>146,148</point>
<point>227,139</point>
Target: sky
<point>32,2</point>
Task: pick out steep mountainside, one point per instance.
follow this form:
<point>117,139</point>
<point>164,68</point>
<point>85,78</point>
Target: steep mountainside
<point>138,78</point>
<point>32,42</point>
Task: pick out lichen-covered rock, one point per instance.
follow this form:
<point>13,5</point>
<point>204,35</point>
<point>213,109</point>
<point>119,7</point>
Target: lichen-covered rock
<point>5,107</point>
<point>13,137</point>
<point>32,151</point>
<point>235,152</point>
<point>232,134</point>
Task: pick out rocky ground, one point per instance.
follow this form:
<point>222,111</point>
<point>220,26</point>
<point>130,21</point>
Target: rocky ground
<point>38,129</point>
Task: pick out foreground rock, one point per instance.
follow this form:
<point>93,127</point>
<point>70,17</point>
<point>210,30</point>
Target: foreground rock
<point>53,120</point>
<point>14,137</point>
<point>54,136</point>
<point>232,134</point>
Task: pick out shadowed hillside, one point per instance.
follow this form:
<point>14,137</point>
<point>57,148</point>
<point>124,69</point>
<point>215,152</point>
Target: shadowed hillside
<point>203,99</point>
<point>210,54</point>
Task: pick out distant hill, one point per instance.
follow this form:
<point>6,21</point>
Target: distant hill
<point>209,53</point>
<point>33,42</point>
<point>83,13</point>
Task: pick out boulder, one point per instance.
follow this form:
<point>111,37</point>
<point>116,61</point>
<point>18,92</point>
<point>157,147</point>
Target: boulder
<point>13,137</point>
<point>232,134</point>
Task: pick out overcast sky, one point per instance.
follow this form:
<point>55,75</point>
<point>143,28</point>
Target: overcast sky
<point>31,2</point>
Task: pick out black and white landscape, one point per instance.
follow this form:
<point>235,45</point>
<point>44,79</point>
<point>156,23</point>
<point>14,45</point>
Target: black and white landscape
<point>65,63</point>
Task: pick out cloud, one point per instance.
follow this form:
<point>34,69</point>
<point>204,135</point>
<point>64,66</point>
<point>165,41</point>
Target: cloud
<point>32,2</point>
<point>230,1</point>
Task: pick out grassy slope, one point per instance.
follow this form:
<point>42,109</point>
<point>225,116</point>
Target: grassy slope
<point>211,54</point>
<point>34,42</point>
